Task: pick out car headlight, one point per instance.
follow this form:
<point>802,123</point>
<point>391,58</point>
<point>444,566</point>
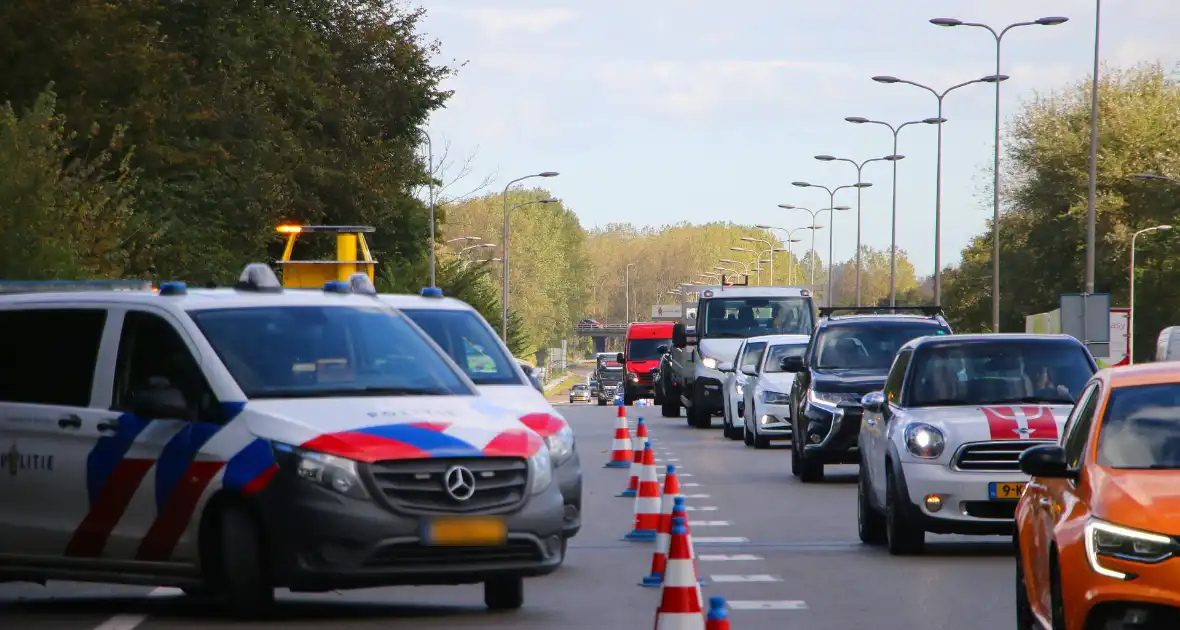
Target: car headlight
<point>1124,543</point>
<point>774,398</point>
<point>829,399</point>
<point>925,441</point>
<point>561,445</point>
<point>540,471</point>
<point>709,362</point>
<point>334,473</point>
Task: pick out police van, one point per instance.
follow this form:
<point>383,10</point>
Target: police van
<point>234,441</point>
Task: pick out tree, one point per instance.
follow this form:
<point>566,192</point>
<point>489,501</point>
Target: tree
<point>1043,232</point>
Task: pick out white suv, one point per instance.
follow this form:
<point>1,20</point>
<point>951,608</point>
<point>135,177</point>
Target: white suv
<point>940,445</point>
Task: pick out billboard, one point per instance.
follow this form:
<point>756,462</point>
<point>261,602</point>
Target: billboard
<point>1107,354</point>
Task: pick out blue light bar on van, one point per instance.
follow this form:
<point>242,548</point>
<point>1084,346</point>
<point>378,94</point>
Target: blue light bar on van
<point>173,288</point>
<point>432,292</point>
<point>336,286</point>
<point>804,292</point>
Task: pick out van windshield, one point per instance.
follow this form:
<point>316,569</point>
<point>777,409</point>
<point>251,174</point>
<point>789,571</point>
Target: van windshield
<point>325,351</point>
<point>646,349</point>
<point>742,317</point>
<point>470,342</point>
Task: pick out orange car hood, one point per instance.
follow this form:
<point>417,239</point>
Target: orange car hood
<point>1142,499</point>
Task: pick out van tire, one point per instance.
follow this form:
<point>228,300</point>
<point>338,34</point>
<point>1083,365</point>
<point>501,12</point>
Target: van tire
<point>504,593</point>
<point>698,416</point>
<point>245,576</point>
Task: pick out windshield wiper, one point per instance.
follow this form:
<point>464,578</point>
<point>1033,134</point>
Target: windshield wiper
<point>1045,400</point>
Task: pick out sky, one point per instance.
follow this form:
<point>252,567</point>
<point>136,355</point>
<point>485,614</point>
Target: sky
<point>661,111</point>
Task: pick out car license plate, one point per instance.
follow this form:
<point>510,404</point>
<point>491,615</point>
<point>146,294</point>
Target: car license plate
<point>465,532</point>
<point>1004,491</point>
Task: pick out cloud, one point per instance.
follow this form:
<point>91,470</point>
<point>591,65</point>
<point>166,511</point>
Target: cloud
<point>499,21</point>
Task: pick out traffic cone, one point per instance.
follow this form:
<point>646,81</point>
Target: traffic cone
<point>638,443</point>
<point>647,500</point>
<point>718,615</point>
<point>679,510</point>
<point>660,558</point>
<point>680,599</point>
<point>620,450</point>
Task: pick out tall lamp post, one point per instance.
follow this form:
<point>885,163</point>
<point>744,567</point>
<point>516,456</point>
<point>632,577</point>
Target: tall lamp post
<point>1092,190</point>
<point>861,120</point>
<point>994,78</point>
<point>506,254</point>
<point>999,37</point>
<point>627,287</point>
<point>832,196</point>
<point>791,239</point>
<point>430,187</point>
<point>1131,293</point>
<point>859,172</point>
<point>751,239</point>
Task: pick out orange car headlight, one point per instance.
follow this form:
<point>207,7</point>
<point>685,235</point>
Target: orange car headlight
<point>1108,540</point>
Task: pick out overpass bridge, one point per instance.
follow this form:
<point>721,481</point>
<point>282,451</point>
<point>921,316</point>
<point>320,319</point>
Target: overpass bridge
<point>600,333</point>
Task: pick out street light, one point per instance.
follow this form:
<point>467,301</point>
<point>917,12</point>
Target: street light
<point>895,158</point>
<point>1158,178</point>
<point>430,186</point>
<point>832,196</point>
<point>791,239</point>
<point>627,287</point>
<point>1092,189</point>
<point>507,259</point>
<point>999,37</point>
<point>861,120</point>
<point>1131,298</point>
<point>994,78</point>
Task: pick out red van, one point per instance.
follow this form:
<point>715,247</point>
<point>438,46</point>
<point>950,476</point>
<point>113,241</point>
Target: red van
<point>646,342</point>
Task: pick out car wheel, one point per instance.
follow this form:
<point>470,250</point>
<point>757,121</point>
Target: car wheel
<point>504,593</point>
<point>761,441</point>
<point>810,470</point>
<point>747,436</point>
<point>1025,620</point>
<point>1056,598</point>
<point>870,525</point>
<point>902,536</point>
<point>796,461</point>
<point>245,583</point>
<point>601,402</point>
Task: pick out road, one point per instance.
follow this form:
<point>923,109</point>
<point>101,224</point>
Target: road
<point>794,557</point>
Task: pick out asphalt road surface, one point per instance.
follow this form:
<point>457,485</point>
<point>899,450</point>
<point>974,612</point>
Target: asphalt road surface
<point>785,555</point>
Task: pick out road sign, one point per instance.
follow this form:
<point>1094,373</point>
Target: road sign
<point>666,311</point>
<point>1086,317</point>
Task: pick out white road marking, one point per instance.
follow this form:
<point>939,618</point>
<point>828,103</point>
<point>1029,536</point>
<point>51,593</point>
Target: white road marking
<point>132,621</point>
<point>703,508</point>
<point>719,540</point>
<point>740,557</point>
<point>696,496</point>
<point>745,578</point>
<point>782,604</point>
<point>673,459</point>
<point>709,523</point>
<point>678,474</point>
<point>690,484</point>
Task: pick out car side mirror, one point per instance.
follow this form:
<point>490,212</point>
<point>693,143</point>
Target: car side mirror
<point>619,357</point>
<point>160,401</point>
<point>725,367</point>
<point>537,384</point>
<point>874,402</point>
<point>1047,460</point>
<point>749,371</point>
<point>678,335</point>
<point>792,364</point>
<point>662,349</point>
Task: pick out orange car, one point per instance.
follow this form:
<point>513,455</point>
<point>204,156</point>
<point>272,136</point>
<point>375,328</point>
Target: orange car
<point>1098,526</point>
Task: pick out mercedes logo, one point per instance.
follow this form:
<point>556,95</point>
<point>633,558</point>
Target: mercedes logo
<point>459,483</point>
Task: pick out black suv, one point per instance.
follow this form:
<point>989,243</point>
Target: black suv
<point>848,356</point>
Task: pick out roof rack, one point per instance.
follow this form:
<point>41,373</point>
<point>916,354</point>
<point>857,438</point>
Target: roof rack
<point>928,311</point>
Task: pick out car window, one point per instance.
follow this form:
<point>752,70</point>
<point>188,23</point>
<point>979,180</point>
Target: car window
<point>470,342</point>
<point>152,351</point>
<point>752,317</point>
<point>1077,428</point>
<point>753,355</point>
<point>995,373</point>
<point>48,356</point>
<point>896,378</point>
<point>776,354</point>
<point>867,345</point>
<point>309,351</point>
<point>1141,427</point>
<point>646,349</point>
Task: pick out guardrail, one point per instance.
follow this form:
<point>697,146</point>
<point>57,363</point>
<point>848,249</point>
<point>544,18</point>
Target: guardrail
<point>602,329</point>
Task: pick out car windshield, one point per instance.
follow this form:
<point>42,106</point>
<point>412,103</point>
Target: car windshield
<point>776,354</point>
<point>994,373</point>
<point>609,376</point>
<point>646,349</point>
<point>867,345</point>
<point>471,343</point>
<point>321,351</point>
<point>579,388</point>
<point>753,317</point>
<point>1141,428</point>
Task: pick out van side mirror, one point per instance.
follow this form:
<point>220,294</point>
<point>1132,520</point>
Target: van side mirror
<point>750,370</point>
<point>874,402</point>
<point>725,367</point>
<point>678,335</point>
<point>792,364</point>
<point>160,401</point>
<point>1047,460</point>
<point>662,348</point>
<point>619,357</point>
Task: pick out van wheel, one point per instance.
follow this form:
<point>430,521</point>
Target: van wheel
<point>698,416</point>
<point>670,408</point>
<point>504,593</point>
<point>245,575</point>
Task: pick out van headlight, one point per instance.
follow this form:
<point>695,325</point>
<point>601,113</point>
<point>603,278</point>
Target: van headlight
<point>1124,543</point>
<point>334,473</point>
<point>925,441</point>
<point>561,445</point>
<point>540,471</point>
<point>709,362</point>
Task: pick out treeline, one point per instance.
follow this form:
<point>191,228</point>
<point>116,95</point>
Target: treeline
<point>1042,232</point>
<point>166,140</point>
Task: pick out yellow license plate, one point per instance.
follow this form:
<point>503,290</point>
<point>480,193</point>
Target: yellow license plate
<point>1004,491</point>
<point>466,532</point>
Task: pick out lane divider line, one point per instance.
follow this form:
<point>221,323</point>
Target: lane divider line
<point>737,557</point>
<point>709,523</point>
<point>690,484</point>
<point>703,508</point>
<point>745,578</point>
<point>696,496</point>
<point>782,604</point>
<point>720,540</point>
<point>130,621</point>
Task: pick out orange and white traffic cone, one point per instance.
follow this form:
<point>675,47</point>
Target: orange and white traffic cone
<point>680,599</point>
<point>679,510</point>
<point>638,443</point>
<point>647,500</point>
<point>718,616</point>
<point>620,450</point>
<point>659,559</point>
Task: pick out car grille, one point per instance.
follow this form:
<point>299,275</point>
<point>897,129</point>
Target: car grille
<point>416,486</point>
<point>403,555</point>
<point>1003,456</point>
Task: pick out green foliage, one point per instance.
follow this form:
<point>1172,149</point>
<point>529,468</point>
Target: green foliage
<point>63,217</point>
<point>1042,235</point>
